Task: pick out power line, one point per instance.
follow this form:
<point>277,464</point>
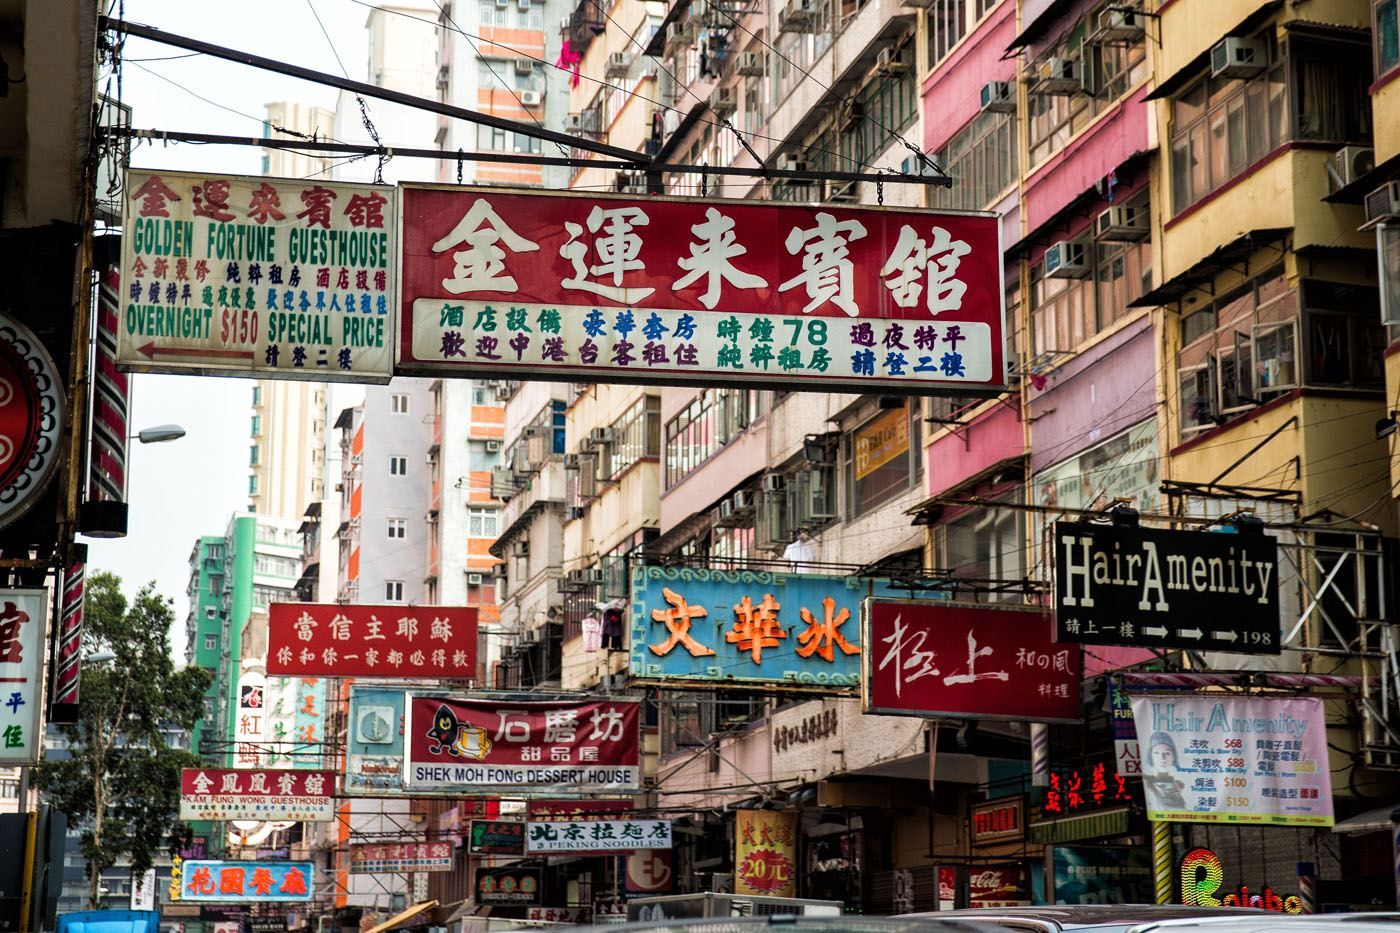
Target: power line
<point>364,108</point>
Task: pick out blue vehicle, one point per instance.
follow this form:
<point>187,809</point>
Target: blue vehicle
<point>110,921</point>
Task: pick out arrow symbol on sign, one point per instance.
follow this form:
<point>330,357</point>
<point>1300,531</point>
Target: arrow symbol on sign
<point>149,350</point>
<point>1225,636</point>
<point>1154,630</point>
<point>1190,633</point>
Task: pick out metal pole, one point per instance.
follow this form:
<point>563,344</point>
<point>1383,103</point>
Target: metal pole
<point>1162,860</point>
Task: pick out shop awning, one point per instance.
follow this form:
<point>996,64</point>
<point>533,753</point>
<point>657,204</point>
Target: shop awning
<point>1205,270</point>
<point>1372,821</point>
<point>403,916</point>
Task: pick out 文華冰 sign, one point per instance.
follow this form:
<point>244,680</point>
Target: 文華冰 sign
<point>376,857</point>
<point>710,627</point>
<point>1213,759</point>
<point>691,291</point>
<point>574,836</point>
<point>938,659</point>
<point>522,745</point>
<point>251,794</point>
<point>1160,588</point>
<point>247,882</point>
<point>336,640</point>
<point>257,276</point>
<point>23,621</point>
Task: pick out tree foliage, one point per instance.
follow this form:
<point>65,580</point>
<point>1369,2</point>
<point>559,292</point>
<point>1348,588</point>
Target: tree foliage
<point>117,779</point>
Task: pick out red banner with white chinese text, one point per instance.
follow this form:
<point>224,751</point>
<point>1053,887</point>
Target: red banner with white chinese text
<point>691,291</point>
<point>939,659</point>
<point>334,640</point>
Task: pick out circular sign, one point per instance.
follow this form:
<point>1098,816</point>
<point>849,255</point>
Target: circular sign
<point>31,418</point>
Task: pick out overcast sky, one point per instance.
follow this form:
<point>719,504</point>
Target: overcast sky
<point>187,488</point>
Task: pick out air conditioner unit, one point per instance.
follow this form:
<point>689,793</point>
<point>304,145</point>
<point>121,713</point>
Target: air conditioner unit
<point>1122,224</point>
<point>998,97</point>
<point>797,17</point>
<point>726,508</point>
<point>844,192</point>
<point>576,512</point>
<point>499,571</point>
<point>503,393</point>
<point>576,123</point>
<point>1233,57</point>
<point>566,24</point>
<point>600,436</point>
<point>524,5</point>
<point>531,98</point>
<point>743,500</point>
<point>493,447</point>
<point>521,549</point>
<point>524,66</point>
<point>1058,76</point>
<point>573,577</point>
<point>773,482</point>
<point>593,575</point>
<point>1352,162</point>
<point>1120,25</point>
<point>749,63</point>
<point>571,461</point>
<point>1383,203</point>
<point>474,579</point>
<point>888,63</point>
<point>724,100</point>
<point>851,115</point>
<point>681,33</point>
<point>1066,259</point>
<point>619,65</point>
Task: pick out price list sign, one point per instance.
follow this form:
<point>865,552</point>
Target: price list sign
<point>257,276</point>
<point>1211,759</point>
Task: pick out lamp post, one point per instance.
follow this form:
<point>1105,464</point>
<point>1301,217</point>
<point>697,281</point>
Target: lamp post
<point>107,518</point>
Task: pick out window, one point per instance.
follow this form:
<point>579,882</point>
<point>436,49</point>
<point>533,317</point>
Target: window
<point>253,485</point>
<point>985,544</point>
<point>1387,32</point>
<point>257,426</point>
<point>398,404</point>
<point>982,160</point>
<point>257,397</point>
<point>947,24</point>
<point>882,105</point>
<point>635,435</point>
<point>253,455</point>
<point>211,642</point>
<point>1111,70</point>
<point>397,527</point>
<point>479,394</point>
<point>711,420</point>
<point>882,459</point>
<point>210,612</point>
<point>398,466</point>
<point>393,591</point>
<point>483,523</point>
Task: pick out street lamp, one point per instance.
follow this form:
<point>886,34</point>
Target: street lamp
<point>159,434</point>
<point>107,518</point>
<point>98,657</point>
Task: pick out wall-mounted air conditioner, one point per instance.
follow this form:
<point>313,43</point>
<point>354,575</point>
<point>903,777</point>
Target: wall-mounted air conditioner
<point>998,97</point>
<point>1233,57</point>
<point>1121,223</point>
<point>1066,259</point>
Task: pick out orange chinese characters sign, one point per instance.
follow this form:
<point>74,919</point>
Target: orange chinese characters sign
<point>765,853</point>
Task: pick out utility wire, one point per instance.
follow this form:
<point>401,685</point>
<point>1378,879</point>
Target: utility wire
<point>364,108</point>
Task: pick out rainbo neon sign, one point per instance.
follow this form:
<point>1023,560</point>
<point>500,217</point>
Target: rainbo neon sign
<point>1202,874</point>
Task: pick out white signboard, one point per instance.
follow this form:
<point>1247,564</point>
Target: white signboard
<point>550,836</point>
<point>143,890</point>
<point>256,276</point>
<point>23,622</point>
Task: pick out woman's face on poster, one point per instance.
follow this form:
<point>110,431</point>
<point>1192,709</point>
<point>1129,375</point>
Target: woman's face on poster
<point>1163,758</point>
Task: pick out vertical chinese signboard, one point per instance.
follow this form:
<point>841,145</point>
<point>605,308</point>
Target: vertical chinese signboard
<point>938,659</point>
<point>257,276</point>
<point>334,640</point>
<point>708,628</point>
<point>22,626</point>
<point>250,724</point>
<point>295,721</point>
<point>1209,759</point>
<point>522,746</point>
<point>765,852</point>
<point>698,292</point>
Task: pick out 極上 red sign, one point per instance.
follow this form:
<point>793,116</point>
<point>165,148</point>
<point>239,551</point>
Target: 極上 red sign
<point>690,291</point>
<point>939,659</point>
<point>334,640</point>
<point>545,745</point>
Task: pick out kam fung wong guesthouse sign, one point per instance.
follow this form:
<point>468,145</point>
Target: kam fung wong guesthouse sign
<point>699,292</point>
<point>257,276</point>
<point>225,794</point>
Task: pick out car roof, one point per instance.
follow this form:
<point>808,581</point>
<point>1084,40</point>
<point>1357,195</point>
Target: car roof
<point>1075,916</point>
<point>1292,923</point>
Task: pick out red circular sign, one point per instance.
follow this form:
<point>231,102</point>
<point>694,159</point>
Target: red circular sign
<point>31,418</point>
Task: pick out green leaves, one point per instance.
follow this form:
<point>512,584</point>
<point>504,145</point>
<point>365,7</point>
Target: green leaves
<point>117,779</point>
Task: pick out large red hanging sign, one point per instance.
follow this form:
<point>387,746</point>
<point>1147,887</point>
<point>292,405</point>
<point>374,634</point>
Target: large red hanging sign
<point>334,640</point>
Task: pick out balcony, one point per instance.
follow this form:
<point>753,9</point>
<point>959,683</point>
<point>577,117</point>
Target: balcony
<point>544,487</point>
